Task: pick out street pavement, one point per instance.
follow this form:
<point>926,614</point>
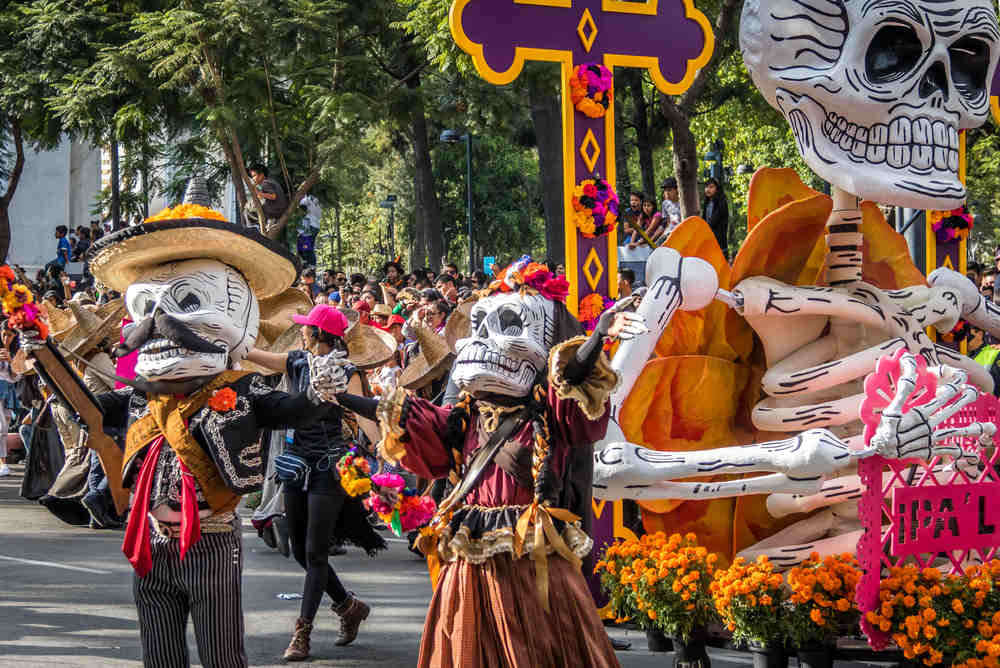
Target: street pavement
<point>66,600</point>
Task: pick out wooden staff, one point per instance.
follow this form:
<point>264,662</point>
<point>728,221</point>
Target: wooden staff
<point>67,384</point>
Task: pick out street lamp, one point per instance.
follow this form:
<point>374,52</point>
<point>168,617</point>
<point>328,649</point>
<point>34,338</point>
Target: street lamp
<point>390,203</point>
<point>452,137</point>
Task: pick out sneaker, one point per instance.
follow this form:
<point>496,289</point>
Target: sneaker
<point>4,470</point>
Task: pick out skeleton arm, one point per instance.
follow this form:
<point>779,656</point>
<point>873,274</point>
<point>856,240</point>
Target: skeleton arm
<point>799,465</point>
<point>978,310</point>
<point>675,282</point>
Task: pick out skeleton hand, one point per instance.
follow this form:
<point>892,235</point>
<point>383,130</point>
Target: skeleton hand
<point>619,322</point>
<point>327,377</point>
<point>915,433</point>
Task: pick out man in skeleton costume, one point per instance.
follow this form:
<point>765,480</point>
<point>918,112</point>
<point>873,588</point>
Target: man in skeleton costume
<point>876,93</point>
<point>192,447</point>
<point>516,446</point>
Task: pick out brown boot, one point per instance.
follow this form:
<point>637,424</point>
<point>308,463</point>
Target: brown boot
<point>298,648</point>
<point>351,612</point>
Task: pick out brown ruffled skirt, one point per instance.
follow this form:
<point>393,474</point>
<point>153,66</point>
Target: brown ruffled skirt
<point>489,616</point>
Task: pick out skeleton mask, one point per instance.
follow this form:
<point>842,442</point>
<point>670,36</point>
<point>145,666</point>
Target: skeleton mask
<point>210,299</point>
<point>509,346</point>
<point>876,90</point>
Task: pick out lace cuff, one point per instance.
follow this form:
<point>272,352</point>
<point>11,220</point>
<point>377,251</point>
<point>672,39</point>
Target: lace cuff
<point>594,391</point>
<point>391,414</point>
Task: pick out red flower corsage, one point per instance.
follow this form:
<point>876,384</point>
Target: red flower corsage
<point>223,400</point>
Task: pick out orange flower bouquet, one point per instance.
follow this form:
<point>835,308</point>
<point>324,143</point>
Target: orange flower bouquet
<point>821,602</point>
<point>662,582</point>
<point>942,619</point>
<point>748,597</point>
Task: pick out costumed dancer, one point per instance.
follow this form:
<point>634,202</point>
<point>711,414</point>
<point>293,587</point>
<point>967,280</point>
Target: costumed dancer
<point>192,283</point>
<point>317,507</point>
<point>508,539</point>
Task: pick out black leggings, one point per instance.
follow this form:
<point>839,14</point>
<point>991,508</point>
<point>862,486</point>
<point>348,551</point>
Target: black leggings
<point>311,519</point>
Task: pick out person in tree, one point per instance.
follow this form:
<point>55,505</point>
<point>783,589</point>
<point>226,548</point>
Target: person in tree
<point>272,198</point>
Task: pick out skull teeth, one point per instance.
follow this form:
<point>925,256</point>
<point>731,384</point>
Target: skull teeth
<point>918,143</point>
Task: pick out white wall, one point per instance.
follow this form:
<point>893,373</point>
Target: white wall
<point>57,187</point>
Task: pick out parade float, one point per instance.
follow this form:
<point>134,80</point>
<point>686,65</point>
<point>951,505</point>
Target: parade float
<point>808,402</point>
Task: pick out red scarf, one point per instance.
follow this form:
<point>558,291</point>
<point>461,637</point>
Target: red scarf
<point>136,544</point>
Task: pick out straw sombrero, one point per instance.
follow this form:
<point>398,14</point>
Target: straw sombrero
<point>122,258</point>
<point>458,324</point>
<point>60,320</point>
<point>276,315</point>
<point>369,347</point>
<point>90,326</point>
<point>431,363</point>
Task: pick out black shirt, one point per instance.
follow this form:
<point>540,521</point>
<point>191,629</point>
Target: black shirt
<point>324,436</point>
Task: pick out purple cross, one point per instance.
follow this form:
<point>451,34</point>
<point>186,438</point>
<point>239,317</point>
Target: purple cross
<point>665,36</point>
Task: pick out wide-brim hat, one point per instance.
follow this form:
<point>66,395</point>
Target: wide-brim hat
<point>383,310</point>
<point>432,362</point>
<point>91,326</point>
<point>284,342</point>
<point>276,315</point>
<point>122,258</point>
<point>369,347</point>
<point>458,324</point>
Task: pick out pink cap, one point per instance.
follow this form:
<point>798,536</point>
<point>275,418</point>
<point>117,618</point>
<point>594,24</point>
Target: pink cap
<point>326,317</point>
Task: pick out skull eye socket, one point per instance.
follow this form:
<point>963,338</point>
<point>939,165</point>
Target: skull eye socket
<point>970,62</point>
<point>892,54</point>
<point>190,303</point>
<point>510,322</point>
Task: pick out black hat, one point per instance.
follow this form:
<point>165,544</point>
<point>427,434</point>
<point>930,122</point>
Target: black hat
<point>668,183</point>
<point>393,263</point>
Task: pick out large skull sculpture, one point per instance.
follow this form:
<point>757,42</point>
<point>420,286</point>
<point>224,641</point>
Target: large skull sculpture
<point>876,90</point>
<point>509,346</point>
<point>210,299</point>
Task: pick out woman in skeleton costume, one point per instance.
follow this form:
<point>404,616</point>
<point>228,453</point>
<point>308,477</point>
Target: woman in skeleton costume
<point>321,509</point>
<point>508,538</point>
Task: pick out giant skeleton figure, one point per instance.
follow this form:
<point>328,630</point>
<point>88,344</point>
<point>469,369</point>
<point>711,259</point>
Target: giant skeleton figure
<point>876,92</point>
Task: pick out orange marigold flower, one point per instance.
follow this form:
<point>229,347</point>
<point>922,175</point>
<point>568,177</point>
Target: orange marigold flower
<point>223,400</point>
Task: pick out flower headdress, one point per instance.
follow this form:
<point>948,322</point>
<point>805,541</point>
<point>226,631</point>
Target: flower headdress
<point>528,276</point>
<point>19,304</point>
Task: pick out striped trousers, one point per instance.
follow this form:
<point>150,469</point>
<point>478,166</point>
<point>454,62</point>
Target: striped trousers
<point>206,587</point>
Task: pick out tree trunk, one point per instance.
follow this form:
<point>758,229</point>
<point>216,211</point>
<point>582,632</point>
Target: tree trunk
<point>623,180</point>
<point>546,117</point>
<point>640,120</point>
<point>424,185</point>
<point>686,170</point>
<point>15,177</point>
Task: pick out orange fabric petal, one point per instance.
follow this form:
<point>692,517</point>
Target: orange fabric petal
<point>676,405</point>
<point>781,245</point>
<point>772,188</point>
<point>713,330</point>
<point>887,262</point>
